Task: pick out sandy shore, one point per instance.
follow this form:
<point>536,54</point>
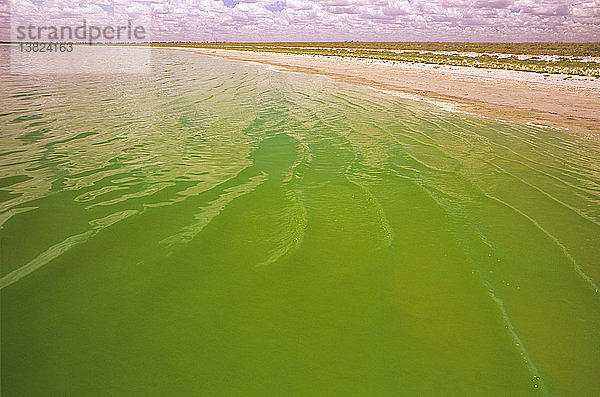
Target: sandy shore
<point>571,102</point>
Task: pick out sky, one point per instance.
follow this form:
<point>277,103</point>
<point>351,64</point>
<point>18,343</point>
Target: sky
<point>330,20</point>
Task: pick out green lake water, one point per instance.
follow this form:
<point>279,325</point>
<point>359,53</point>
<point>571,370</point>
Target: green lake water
<point>222,228</point>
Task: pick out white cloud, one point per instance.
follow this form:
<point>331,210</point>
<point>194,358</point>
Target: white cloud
<point>387,20</point>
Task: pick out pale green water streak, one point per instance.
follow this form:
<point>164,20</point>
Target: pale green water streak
<point>219,228</point>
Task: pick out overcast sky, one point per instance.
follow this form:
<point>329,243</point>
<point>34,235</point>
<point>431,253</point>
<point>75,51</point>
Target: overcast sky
<point>336,20</point>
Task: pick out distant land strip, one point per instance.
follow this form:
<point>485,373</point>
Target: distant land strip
<point>582,59</point>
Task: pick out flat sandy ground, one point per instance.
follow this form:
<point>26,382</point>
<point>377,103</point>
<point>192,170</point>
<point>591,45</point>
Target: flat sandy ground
<point>571,102</point>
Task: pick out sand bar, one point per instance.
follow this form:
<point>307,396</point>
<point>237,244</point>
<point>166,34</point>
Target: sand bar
<point>571,102</point>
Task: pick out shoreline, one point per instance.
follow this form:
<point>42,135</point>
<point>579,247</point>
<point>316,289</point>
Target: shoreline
<point>558,101</point>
